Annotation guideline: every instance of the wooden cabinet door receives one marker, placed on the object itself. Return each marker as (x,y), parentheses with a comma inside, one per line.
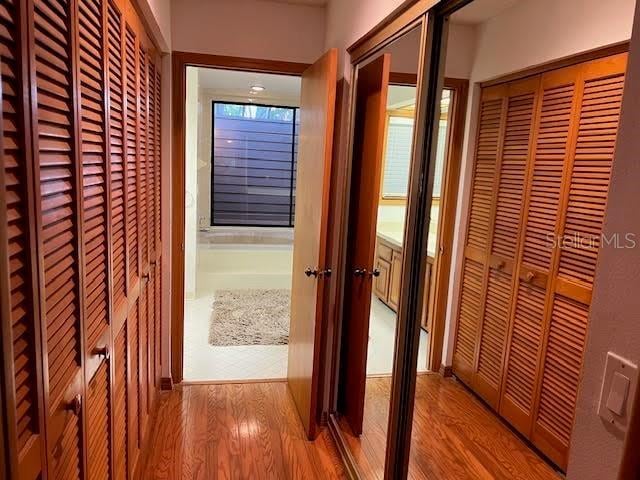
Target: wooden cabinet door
(317,108)
(395,280)
(381,282)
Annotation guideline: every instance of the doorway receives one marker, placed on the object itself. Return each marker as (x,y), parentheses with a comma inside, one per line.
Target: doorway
(242,131)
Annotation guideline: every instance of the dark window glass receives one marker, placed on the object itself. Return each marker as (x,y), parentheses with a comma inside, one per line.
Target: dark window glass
(253,164)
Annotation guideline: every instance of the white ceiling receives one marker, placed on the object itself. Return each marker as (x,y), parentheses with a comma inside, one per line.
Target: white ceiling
(228,83)
(480,11)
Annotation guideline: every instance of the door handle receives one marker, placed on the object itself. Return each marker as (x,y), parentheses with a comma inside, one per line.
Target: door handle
(317,273)
(311,272)
(375,273)
(360,272)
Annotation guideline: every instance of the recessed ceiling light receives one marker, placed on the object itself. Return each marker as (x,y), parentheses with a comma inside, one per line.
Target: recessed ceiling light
(257,88)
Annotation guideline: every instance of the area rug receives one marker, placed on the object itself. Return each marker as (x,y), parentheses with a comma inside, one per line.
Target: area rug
(250,317)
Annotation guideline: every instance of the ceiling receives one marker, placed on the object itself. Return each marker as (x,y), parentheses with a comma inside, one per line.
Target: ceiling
(480,11)
(282,89)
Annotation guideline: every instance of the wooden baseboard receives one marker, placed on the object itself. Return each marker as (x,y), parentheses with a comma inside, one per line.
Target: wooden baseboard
(446,371)
(343,449)
(232,382)
(166,383)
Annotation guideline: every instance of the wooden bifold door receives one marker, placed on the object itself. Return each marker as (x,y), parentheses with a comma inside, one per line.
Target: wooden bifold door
(544,150)
(79,237)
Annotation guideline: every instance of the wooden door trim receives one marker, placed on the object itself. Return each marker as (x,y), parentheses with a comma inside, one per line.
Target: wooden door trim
(180,61)
(394,25)
(448,205)
(573,59)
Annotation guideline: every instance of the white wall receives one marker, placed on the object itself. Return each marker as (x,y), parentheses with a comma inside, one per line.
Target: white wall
(529,33)
(191,182)
(614,321)
(249,28)
(348,20)
(157,15)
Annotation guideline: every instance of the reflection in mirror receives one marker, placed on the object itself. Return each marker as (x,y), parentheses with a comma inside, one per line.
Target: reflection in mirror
(542,124)
(385,107)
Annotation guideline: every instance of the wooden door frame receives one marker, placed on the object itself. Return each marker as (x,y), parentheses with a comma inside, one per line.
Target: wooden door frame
(180,62)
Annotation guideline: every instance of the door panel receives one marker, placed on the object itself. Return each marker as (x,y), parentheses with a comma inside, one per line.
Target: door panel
(317,108)
(19,317)
(523,314)
(368,150)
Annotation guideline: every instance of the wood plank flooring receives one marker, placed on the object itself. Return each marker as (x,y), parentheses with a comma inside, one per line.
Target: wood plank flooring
(455,436)
(236,431)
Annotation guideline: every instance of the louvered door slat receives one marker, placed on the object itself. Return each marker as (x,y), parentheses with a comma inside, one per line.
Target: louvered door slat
(120,405)
(477,237)
(117,155)
(158,228)
(590,177)
(143,223)
(552,136)
(505,237)
(133,393)
(468,317)
(143,381)
(131,149)
(18,311)
(94,172)
(484,173)
(575,257)
(98,425)
(58,170)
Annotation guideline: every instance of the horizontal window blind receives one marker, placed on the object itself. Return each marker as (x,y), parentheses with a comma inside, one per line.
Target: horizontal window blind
(254,150)
(397,156)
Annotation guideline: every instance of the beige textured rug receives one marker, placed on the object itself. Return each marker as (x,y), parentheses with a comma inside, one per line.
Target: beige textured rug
(250,317)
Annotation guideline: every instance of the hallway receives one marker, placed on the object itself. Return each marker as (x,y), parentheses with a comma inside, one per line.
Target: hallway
(455,436)
(234,431)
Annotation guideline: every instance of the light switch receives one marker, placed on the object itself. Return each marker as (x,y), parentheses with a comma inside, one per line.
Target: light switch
(618,388)
(618,393)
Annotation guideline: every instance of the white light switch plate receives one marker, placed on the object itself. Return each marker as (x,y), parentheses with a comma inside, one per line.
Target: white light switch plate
(616,393)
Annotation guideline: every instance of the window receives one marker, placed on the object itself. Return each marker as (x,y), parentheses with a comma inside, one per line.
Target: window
(253,158)
(398,151)
(397,156)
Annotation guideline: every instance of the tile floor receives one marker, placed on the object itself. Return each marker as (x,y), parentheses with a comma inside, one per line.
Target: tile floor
(203,362)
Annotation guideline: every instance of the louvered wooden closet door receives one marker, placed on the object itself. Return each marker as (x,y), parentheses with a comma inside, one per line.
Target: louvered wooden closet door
(504,234)
(58,201)
(549,156)
(539,191)
(120,406)
(157,228)
(19,311)
(585,194)
(476,252)
(97,234)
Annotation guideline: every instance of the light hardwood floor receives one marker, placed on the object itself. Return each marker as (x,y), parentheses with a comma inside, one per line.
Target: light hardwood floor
(236,431)
(455,436)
